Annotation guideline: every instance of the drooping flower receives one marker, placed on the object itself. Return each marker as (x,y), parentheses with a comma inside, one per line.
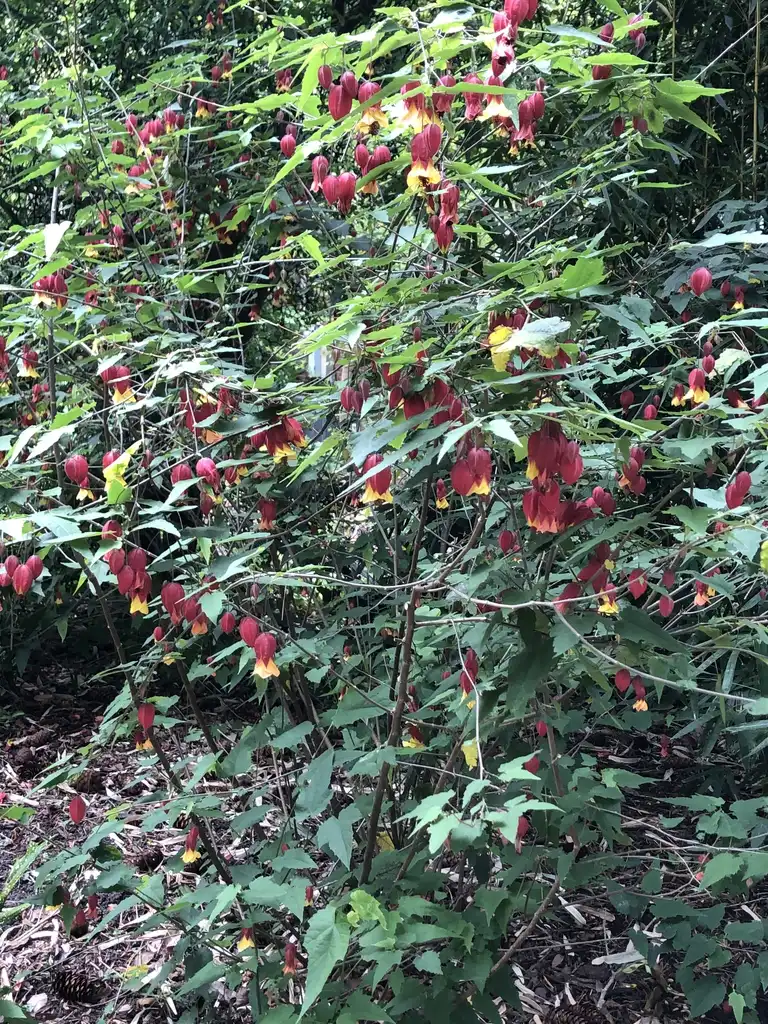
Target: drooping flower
(76,468)
(377,486)
(268,511)
(373,118)
(468,677)
(246,940)
(638,583)
(291,962)
(607,601)
(416,113)
(172,599)
(441,495)
(700,280)
(265,647)
(704,593)
(737,490)
(319,173)
(697,386)
(495,109)
(424,147)
(473,101)
(508,541)
(146,716)
(191,852)
(77,809)
(472,474)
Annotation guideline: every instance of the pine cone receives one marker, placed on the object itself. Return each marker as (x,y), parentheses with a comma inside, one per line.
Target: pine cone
(75,986)
(90,781)
(149,859)
(584,1013)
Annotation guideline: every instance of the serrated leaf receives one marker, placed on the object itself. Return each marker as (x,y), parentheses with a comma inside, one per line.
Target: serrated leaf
(207,974)
(722,865)
(326,943)
(336,834)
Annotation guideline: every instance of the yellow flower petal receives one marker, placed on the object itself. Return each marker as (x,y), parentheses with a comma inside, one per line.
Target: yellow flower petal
(384,842)
(470,752)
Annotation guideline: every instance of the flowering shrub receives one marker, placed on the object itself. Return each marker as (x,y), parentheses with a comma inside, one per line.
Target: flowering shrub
(327,375)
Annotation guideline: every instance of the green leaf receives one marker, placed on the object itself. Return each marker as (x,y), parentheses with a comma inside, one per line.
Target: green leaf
(694,519)
(315,795)
(747,931)
(703,994)
(207,974)
(583,273)
(19,867)
(428,961)
(722,865)
(293,738)
(685,90)
(326,944)
(502,429)
(678,110)
(212,604)
(336,834)
(634,624)
(11,1011)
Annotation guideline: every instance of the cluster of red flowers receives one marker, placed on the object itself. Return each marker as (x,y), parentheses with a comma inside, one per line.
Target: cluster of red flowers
(133,580)
(551,454)
(20,575)
(51,291)
(623,680)
(352,399)
(443,216)
(630,476)
(281,440)
(472,473)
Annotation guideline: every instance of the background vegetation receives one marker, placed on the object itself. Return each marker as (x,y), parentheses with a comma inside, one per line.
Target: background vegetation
(384,487)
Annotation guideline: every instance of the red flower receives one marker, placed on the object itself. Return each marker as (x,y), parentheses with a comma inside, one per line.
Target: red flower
(206,469)
(146,716)
(737,490)
(666,606)
(76,469)
(291,962)
(523,828)
(77,809)
(468,676)
(377,485)
(35,565)
(622,680)
(569,594)
(265,647)
(319,173)
(473,101)
(508,542)
(172,598)
(638,584)
(22,580)
(700,280)
(472,475)
(268,510)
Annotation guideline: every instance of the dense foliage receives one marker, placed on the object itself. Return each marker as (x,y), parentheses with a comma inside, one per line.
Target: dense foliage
(399,371)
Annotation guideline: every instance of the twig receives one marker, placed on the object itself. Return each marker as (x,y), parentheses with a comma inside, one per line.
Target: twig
(394,733)
(542,909)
